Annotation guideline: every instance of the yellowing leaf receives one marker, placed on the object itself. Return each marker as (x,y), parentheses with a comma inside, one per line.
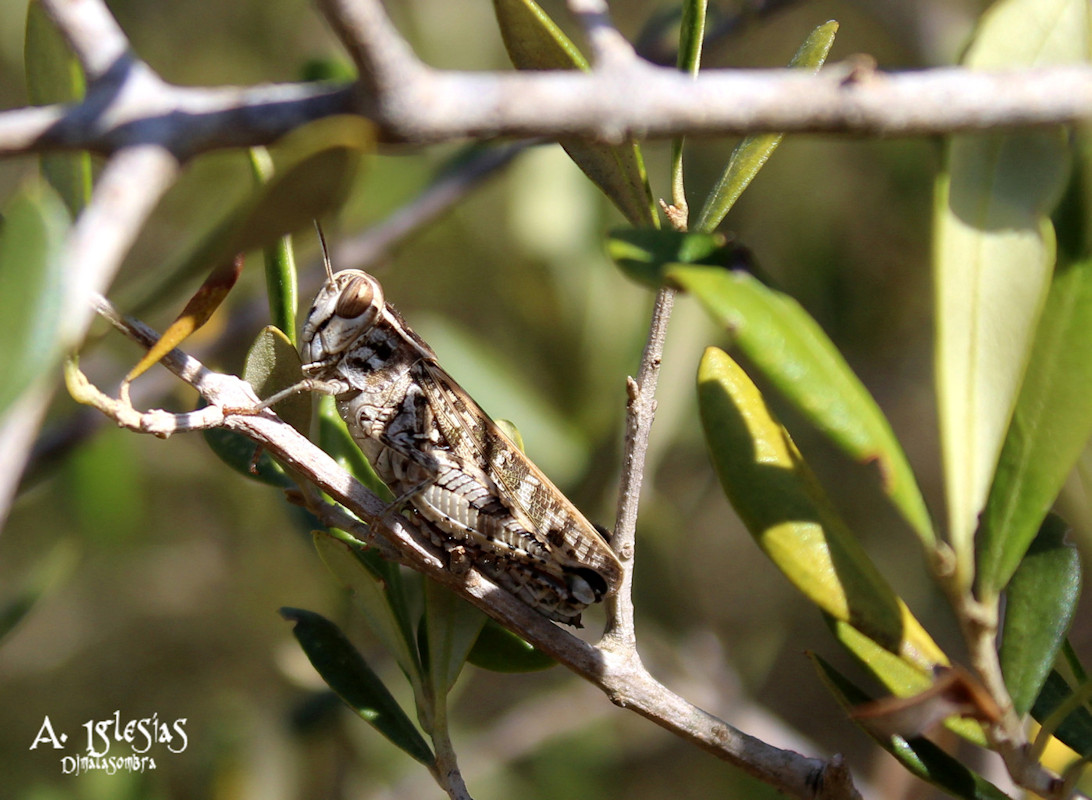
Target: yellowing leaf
(790,517)
(994,252)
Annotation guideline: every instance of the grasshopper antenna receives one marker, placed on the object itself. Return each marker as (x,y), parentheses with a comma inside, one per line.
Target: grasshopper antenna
(325,251)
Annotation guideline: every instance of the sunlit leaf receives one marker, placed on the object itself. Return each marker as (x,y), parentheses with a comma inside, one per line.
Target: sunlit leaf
(754,151)
(790,517)
(783,341)
(993,254)
(645,255)
(345,671)
(1041,601)
(900,676)
(535,42)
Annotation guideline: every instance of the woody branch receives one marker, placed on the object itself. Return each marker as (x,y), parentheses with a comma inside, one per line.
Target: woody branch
(411,102)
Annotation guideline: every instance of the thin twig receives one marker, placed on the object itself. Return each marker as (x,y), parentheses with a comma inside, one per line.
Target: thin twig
(640,411)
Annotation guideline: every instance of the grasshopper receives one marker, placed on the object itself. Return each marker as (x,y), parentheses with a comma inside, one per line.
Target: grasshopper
(480,498)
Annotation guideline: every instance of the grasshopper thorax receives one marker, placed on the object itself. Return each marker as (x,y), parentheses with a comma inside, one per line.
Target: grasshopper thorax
(346,307)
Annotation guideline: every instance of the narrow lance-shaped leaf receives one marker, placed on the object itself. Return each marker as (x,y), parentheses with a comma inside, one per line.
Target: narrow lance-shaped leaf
(317,165)
(371,591)
(345,671)
(1041,601)
(993,254)
(691,38)
(1050,427)
(797,357)
(535,42)
(452,627)
(197,312)
(901,677)
(918,755)
(791,519)
(754,151)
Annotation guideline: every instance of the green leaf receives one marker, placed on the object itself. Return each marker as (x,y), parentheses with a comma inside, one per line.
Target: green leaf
(691,38)
(499,650)
(375,591)
(345,671)
(54,76)
(32,329)
(755,150)
(918,755)
(1049,429)
(644,255)
(316,167)
(691,35)
(238,452)
(452,626)
(1042,599)
(791,519)
(783,341)
(272,364)
(900,676)
(993,254)
(535,42)
(1075,728)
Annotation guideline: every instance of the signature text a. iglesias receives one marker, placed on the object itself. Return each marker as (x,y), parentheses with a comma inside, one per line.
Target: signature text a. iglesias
(137,736)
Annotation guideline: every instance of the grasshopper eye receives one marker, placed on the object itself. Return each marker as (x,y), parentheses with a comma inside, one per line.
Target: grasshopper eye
(357,296)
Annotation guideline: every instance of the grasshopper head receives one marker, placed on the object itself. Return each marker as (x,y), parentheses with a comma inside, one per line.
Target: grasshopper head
(347,306)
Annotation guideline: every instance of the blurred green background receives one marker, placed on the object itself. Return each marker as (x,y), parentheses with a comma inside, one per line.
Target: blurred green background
(178,565)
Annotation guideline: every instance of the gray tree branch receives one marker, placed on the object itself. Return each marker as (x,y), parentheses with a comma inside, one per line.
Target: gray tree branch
(626,98)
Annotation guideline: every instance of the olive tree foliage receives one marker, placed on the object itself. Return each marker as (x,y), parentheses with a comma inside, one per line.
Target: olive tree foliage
(1012,280)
